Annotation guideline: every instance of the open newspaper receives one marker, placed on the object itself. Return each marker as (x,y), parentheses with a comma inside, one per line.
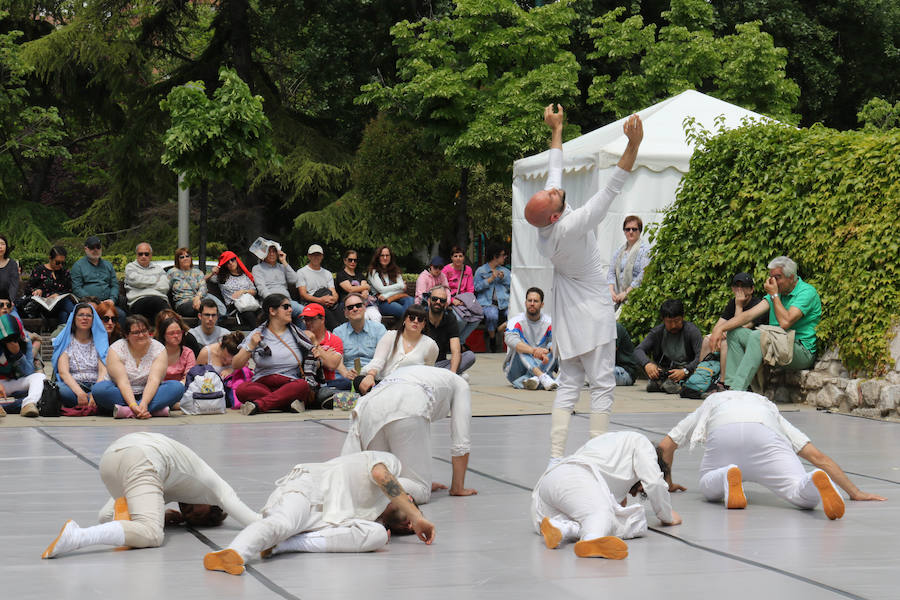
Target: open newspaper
(50,303)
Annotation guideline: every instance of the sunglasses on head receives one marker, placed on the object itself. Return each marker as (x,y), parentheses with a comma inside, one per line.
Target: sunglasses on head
(107,318)
(419,318)
(353,306)
(143,254)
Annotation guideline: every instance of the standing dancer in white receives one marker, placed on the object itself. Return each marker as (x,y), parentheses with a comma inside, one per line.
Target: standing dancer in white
(335,506)
(582,498)
(584,324)
(143,471)
(396,417)
(747,439)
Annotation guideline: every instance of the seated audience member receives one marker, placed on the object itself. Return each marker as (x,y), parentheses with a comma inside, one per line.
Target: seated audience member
(287,374)
(9,270)
(529,362)
(234,281)
(359,336)
(460,281)
(273,276)
(17,372)
(442,327)
(33,351)
(792,305)
(349,281)
(626,269)
(180,358)
(316,286)
(110,319)
(626,370)
(492,291)
(188,285)
(387,284)
(79,354)
(742,288)
(146,284)
(430,277)
(137,368)
(400,348)
(329,348)
(674,346)
(219,355)
(51,280)
(93,277)
(207,332)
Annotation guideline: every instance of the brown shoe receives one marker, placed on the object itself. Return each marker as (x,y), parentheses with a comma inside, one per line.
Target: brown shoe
(2,412)
(224,560)
(552,534)
(248,408)
(605,547)
(736,497)
(30,410)
(832,502)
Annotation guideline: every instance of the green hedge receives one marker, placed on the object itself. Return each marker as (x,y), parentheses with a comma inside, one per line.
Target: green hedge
(830,200)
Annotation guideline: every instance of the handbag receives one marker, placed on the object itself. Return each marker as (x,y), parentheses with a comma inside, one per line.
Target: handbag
(246,303)
(49,404)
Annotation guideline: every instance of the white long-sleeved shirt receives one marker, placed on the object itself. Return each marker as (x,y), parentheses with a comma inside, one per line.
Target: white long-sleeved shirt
(145,281)
(733,406)
(582,309)
(419,391)
(343,486)
(186,477)
(387,360)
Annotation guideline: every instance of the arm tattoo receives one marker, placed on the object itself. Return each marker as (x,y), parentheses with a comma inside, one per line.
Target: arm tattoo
(392,487)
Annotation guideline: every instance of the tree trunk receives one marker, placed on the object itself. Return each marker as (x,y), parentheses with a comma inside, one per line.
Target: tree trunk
(240,40)
(204,200)
(462,210)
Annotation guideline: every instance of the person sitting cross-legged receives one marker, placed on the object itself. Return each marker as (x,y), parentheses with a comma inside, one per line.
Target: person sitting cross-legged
(529,362)
(79,354)
(674,346)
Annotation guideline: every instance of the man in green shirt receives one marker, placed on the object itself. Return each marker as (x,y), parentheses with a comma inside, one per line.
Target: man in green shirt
(93,276)
(792,304)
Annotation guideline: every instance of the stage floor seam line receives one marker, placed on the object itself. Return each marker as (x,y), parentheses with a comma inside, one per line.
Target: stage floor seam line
(271,585)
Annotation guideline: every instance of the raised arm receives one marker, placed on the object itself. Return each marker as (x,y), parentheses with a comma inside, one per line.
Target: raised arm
(400,500)
(634,131)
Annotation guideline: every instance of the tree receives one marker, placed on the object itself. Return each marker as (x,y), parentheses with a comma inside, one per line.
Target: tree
(477,79)
(214,139)
(744,68)
(879,114)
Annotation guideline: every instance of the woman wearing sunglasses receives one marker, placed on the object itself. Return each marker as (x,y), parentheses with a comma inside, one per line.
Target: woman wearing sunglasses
(137,366)
(109,318)
(400,348)
(626,270)
(286,374)
(188,285)
(348,281)
(79,354)
(49,281)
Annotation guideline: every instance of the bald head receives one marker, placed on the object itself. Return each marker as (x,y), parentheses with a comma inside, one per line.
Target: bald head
(545,207)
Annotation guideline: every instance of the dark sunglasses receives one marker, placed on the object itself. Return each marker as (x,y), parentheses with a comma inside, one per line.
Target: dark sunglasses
(94,247)
(59,263)
(630,229)
(353,306)
(419,318)
(286,306)
(438,300)
(351,259)
(184,256)
(107,318)
(143,254)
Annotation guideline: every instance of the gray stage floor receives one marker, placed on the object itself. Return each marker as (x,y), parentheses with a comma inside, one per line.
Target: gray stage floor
(485,547)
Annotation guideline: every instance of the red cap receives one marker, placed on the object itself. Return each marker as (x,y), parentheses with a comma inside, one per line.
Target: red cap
(313,310)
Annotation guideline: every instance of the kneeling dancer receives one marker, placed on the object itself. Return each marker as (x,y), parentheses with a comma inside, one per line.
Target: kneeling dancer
(328,507)
(143,471)
(396,417)
(582,498)
(747,439)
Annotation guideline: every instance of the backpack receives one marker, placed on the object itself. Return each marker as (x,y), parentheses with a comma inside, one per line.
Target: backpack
(204,392)
(703,378)
(233,382)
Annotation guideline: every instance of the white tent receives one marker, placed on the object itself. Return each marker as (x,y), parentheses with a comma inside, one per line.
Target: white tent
(663,159)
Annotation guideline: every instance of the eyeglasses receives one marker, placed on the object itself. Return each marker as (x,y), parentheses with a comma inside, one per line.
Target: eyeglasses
(84,316)
(287,306)
(419,318)
(353,306)
(438,300)
(630,229)
(94,247)
(138,332)
(351,259)
(184,256)
(107,318)
(143,254)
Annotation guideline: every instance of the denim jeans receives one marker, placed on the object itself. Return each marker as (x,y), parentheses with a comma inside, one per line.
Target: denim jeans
(107,395)
(522,367)
(67,395)
(396,308)
(623,377)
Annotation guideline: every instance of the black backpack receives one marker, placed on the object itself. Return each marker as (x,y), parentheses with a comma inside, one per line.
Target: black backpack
(50,405)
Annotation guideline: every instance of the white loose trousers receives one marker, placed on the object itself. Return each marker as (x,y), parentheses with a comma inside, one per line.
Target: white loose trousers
(597,368)
(763,456)
(32,384)
(409,439)
(130,473)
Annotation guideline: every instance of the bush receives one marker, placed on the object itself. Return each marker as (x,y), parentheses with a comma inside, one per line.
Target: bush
(827,199)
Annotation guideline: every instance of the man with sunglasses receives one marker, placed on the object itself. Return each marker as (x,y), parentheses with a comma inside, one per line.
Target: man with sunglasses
(146,284)
(442,327)
(584,323)
(92,276)
(359,336)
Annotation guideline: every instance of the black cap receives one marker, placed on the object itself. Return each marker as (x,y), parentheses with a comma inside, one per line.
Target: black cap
(436,261)
(742,279)
(92,241)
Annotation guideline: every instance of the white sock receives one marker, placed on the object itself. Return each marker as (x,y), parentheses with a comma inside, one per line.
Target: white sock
(559,431)
(569,529)
(599,423)
(74,537)
(302,542)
